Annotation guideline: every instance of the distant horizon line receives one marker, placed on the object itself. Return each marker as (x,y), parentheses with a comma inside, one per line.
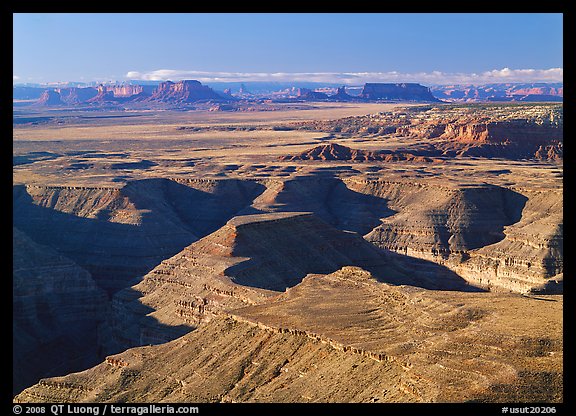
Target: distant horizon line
(495,76)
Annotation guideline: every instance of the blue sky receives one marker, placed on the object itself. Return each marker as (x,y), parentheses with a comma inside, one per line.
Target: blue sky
(344,47)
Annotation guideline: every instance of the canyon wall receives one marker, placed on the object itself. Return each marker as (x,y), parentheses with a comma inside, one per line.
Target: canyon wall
(342,337)
(56,309)
(119,234)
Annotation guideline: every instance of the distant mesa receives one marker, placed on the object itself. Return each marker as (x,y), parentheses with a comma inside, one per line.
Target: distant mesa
(182,92)
(103,95)
(186,91)
(309,95)
(334,151)
(50,97)
(528,92)
(401,92)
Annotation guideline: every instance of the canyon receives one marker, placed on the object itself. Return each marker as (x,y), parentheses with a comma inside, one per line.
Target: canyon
(331,252)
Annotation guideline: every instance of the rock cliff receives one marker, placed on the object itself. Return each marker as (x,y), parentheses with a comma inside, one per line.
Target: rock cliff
(309,95)
(343,337)
(500,92)
(74,95)
(48,98)
(491,236)
(56,309)
(401,91)
(527,131)
(239,264)
(187,91)
(119,234)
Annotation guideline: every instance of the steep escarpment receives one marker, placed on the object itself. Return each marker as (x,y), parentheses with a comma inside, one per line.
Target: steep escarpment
(492,236)
(327,197)
(48,98)
(400,91)
(531,255)
(527,131)
(228,361)
(119,234)
(56,309)
(186,91)
(541,92)
(239,264)
(75,95)
(245,262)
(342,337)
(441,222)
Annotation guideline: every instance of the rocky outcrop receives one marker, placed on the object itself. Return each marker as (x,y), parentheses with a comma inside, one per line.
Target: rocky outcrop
(334,151)
(432,346)
(342,95)
(494,131)
(119,234)
(494,237)
(56,309)
(187,91)
(530,257)
(49,98)
(248,260)
(104,95)
(511,131)
(309,95)
(236,265)
(73,95)
(397,92)
(125,90)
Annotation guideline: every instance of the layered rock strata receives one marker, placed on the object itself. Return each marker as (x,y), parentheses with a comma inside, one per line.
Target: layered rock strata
(119,234)
(334,151)
(248,260)
(186,91)
(56,308)
(343,337)
(494,131)
(496,237)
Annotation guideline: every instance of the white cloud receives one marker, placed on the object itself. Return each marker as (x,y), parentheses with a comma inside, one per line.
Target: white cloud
(351,78)
(15,78)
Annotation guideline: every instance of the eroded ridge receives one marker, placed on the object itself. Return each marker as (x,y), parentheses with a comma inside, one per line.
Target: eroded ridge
(250,259)
(344,337)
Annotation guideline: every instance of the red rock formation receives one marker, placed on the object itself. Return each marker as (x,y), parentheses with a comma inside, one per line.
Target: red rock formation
(126,90)
(520,131)
(500,92)
(50,97)
(75,95)
(332,151)
(104,95)
(187,91)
